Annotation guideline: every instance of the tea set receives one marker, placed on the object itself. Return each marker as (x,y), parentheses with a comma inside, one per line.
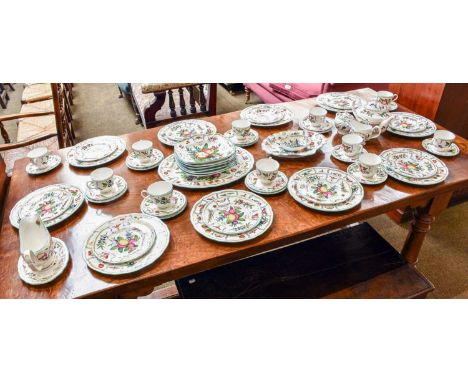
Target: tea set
(352,145)
(266,179)
(317,121)
(442,144)
(368,169)
(105,186)
(162,201)
(41,161)
(143,156)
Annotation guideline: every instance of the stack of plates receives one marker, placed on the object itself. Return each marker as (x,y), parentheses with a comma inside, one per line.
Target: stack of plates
(414,166)
(176,132)
(126,244)
(325,189)
(338,102)
(53,204)
(293,143)
(231,216)
(96,151)
(267,115)
(411,125)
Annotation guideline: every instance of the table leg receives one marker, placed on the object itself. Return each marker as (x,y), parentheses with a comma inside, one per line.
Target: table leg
(423,219)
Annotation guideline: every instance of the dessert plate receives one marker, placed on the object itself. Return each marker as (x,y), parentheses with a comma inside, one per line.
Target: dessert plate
(380,177)
(204,149)
(411,125)
(325,187)
(176,132)
(148,206)
(429,146)
(134,163)
(264,114)
(253,183)
(411,164)
(275,143)
(120,148)
(287,116)
(327,126)
(53,161)
(338,101)
(94,149)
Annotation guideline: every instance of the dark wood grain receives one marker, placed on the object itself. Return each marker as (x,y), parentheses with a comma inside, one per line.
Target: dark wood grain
(188,252)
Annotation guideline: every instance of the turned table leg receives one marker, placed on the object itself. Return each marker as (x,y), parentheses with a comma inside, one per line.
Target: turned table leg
(247,94)
(424,217)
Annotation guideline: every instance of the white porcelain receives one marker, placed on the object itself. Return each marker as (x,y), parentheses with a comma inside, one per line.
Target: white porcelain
(443,140)
(267,169)
(94,149)
(161,193)
(365,130)
(369,164)
(274,144)
(249,140)
(35,243)
(325,188)
(411,125)
(342,123)
(133,162)
(324,127)
(53,161)
(178,202)
(288,115)
(317,115)
(264,114)
(254,183)
(143,150)
(97,143)
(39,157)
(241,128)
(116,191)
(339,153)
(429,145)
(385,98)
(102,179)
(201,150)
(379,177)
(176,132)
(372,117)
(338,101)
(352,144)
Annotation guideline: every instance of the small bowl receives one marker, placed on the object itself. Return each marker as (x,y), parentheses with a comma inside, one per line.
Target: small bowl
(294,144)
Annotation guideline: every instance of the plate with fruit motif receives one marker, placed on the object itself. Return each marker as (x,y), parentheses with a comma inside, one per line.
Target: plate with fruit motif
(176,132)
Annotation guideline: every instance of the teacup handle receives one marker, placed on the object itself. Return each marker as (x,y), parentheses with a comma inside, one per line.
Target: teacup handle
(376,131)
(144,194)
(28,258)
(395,97)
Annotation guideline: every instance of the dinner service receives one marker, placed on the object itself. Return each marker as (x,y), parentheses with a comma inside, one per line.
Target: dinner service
(411,125)
(102,180)
(268,112)
(372,117)
(139,238)
(317,115)
(250,139)
(39,157)
(342,122)
(53,203)
(96,151)
(161,193)
(379,177)
(116,191)
(176,132)
(338,101)
(178,203)
(275,143)
(53,161)
(133,162)
(267,169)
(339,153)
(414,166)
(429,145)
(325,189)
(231,216)
(323,127)
(255,184)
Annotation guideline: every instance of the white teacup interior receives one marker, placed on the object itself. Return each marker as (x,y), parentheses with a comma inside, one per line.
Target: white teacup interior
(142,145)
(444,135)
(370,159)
(267,165)
(385,94)
(37,152)
(101,174)
(240,124)
(352,139)
(158,189)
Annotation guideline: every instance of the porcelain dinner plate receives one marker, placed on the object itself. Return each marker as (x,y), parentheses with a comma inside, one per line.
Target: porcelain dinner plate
(158,248)
(119,188)
(50,202)
(411,125)
(204,149)
(388,157)
(372,117)
(325,188)
(305,124)
(169,170)
(94,149)
(297,188)
(134,163)
(253,183)
(275,143)
(53,162)
(338,101)
(411,164)
(264,114)
(179,201)
(231,213)
(429,146)
(120,148)
(287,116)
(176,132)
(266,218)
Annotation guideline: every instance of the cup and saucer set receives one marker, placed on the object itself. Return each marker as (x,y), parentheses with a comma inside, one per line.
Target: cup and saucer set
(368,169)
(350,149)
(377,110)
(442,144)
(143,156)
(42,258)
(162,201)
(317,121)
(266,179)
(241,134)
(41,161)
(104,186)
(384,101)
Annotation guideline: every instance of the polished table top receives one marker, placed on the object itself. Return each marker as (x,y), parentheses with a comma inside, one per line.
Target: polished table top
(188,252)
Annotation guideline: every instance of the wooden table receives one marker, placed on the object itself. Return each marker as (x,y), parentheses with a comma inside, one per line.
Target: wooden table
(188,252)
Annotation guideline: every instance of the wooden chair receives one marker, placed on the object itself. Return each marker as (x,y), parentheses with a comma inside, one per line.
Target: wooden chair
(4,183)
(36,92)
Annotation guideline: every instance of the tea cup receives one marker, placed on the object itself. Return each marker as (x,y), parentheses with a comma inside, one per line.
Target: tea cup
(352,144)
(369,164)
(385,98)
(365,130)
(143,150)
(102,179)
(342,123)
(241,128)
(443,139)
(161,193)
(39,157)
(317,115)
(267,170)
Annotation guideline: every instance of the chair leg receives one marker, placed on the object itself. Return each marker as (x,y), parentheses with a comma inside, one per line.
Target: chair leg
(247,94)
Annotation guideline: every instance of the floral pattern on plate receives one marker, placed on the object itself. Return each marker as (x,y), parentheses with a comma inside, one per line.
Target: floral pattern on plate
(231,213)
(380,177)
(118,189)
(158,248)
(297,185)
(38,201)
(266,219)
(274,144)
(250,140)
(253,183)
(372,117)
(325,187)
(287,116)
(429,146)
(204,149)
(54,270)
(406,125)
(120,144)
(94,149)
(338,101)
(339,153)
(169,171)
(306,124)
(134,163)
(440,176)
(264,114)
(148,206)
(53,162)
(411,164)
(176,132)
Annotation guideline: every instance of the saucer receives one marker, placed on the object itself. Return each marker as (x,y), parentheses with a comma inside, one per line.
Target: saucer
(148,206)
(54,161)
(253,183)
(454,149)
(250,140)
(373,105)
(133,163)
(118,189)
(325,127)
(51,272)
(339,154)
(380,177)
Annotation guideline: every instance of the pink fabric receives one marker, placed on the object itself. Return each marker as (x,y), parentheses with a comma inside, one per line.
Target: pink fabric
(297,91)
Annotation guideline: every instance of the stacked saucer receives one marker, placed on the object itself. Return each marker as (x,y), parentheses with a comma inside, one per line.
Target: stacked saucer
(414,166)
(231,216)
(293,143)
(338,101)
(325,189)
(411,125)
(267,115)
(176,132)
(126,244)
(96,151)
